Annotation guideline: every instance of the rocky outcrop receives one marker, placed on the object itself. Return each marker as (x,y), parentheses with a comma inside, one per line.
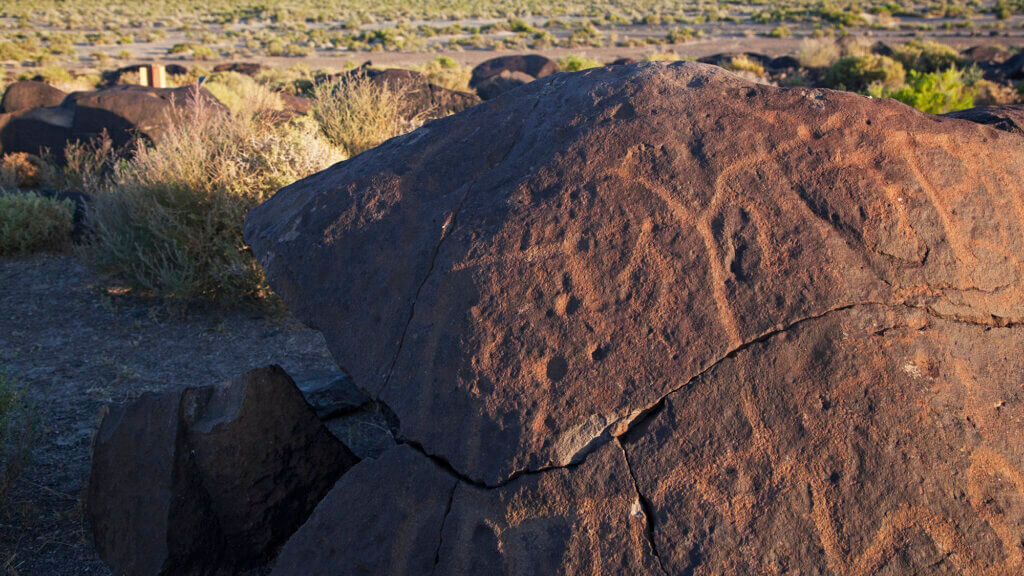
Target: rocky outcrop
(788,316)
(29,94)
(122,112)
(208,479)
(126,111)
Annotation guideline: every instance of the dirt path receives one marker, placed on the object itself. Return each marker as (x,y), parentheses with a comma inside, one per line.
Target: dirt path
(77,349)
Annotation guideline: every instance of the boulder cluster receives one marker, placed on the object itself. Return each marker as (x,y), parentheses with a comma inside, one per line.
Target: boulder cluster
(36,118)
(665,321)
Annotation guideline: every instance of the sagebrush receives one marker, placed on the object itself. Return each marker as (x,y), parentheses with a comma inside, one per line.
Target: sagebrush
(168,221)
(31,223)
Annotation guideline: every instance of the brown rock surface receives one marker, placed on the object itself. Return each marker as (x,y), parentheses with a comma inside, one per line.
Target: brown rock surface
(533,65)
(126,110)
(210,478)
(383,517)
(29,94)
(521,297)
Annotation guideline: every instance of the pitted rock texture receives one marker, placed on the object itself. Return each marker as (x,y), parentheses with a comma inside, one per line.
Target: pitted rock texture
(873,440)
(515,295)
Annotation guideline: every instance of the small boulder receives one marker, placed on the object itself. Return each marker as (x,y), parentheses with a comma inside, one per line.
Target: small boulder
(499,84)
(533,65)
(207,479)
(247,68)
(29,94)
(1014,67)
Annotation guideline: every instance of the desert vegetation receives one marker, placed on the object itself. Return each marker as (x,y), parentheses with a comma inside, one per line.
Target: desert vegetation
(150,222)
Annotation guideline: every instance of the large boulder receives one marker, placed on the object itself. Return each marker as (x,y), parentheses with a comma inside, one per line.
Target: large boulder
(533,65)
(127,111)
(38,131)
(29,94)
(208,479)
(794,313)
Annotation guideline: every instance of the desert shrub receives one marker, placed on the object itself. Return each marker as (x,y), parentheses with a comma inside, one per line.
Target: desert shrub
(818,52)
(242,94)
(168,222)
(575,63)
(32,223)
(857,73)
(356,114)
(933,92)
(447,73)
(926,56)
(20,170)
(743,64)
(15,434)
(781,31)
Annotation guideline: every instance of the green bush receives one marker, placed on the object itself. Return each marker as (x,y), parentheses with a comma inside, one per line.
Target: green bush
(574,63)
(31,223)
(857,73)
(168,222)
(926,56)
(933,92)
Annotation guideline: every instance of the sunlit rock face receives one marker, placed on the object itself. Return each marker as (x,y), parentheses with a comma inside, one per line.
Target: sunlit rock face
(656,317)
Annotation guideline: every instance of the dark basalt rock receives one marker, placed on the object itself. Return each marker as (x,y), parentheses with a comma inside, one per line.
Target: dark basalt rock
(788,316)
(499,84)
(209,479)
(28,94)
(533,65)
(247,68)
(1009,117)
(126,111)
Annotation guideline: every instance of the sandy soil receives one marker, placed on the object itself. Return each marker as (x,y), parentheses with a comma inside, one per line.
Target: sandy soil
(75,349)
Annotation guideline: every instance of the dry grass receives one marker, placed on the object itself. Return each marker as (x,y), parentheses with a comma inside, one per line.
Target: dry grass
(242,94)
(447,73)
(818,52)
(168,221)
(357,114)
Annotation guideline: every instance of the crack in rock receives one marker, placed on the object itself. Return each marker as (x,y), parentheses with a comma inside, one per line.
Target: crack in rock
(645,509)
(446,231)
(444,520)
(626,427)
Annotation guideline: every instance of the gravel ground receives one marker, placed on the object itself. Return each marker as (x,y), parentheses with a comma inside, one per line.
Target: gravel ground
(75,348)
